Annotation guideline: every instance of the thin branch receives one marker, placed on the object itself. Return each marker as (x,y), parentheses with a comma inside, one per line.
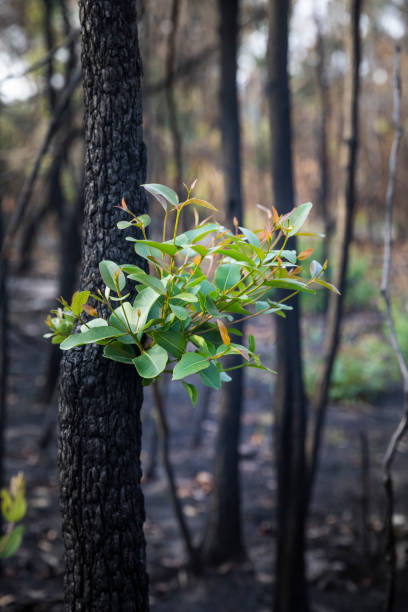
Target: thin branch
(402,427)
(192,63)
(191,552)
(28,187)
(44,61)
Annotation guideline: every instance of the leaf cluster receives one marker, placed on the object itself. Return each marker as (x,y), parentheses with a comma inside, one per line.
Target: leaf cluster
(202,282)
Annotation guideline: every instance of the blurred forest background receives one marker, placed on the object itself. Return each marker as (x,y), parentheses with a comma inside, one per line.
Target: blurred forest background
(41,194)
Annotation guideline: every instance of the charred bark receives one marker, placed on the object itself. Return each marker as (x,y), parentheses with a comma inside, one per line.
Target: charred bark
(289,401)
(100,431)
(345,222)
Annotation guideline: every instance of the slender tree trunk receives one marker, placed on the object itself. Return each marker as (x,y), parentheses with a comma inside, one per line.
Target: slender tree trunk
(171,97)
(223,538)
(323,156)
(100,431)
(289,402)
(345,220)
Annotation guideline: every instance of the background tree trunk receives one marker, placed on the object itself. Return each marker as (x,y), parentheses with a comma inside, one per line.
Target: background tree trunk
(223,538)
(100,431)
(289,401)
(344,231)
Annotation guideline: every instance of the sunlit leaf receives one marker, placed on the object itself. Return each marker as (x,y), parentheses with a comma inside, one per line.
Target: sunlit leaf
(79,299)
(315,268)
(123,224)
(162,247)
(92,335)
(151,363)
(199,202)
(163,194)
(298,217)
(329,286)
(112,275)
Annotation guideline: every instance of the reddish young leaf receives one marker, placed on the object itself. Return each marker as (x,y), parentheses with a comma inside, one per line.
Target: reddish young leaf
(223,332)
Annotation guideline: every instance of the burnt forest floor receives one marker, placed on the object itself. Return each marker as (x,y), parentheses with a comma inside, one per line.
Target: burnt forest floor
(345,567)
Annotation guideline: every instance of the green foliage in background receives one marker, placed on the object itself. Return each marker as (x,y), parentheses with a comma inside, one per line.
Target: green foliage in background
(202,282)
(13,509)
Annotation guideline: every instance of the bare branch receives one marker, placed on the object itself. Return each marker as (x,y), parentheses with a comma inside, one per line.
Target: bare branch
(28,187)
(403,424)
(44,61)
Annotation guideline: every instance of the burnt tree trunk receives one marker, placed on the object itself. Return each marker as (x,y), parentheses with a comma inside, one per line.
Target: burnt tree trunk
(100,431)
(289,401)
(344,230)
(223,537)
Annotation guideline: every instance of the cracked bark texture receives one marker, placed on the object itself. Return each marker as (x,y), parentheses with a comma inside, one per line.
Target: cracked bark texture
(100,430)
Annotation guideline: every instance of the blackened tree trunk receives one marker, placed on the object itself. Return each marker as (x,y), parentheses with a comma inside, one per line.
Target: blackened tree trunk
(345,222)
(100,431)
(289,401)
(223,538)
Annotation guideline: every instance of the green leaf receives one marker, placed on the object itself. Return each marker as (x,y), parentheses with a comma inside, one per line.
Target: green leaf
(93,323)
(123,224)
(131,269)
(13,508)
(78,300)
(298,217)
(174,342)
(144,220)
(251,343)
(92,335)
(144,301)
(150,281)
(211,377)
(289,283)
(290,256)
(145,251)
(315,268)
(190,363)
(111,272)
(197,233)
(235,254)
(125,315)
(151,363)
(328,286)
(119,352)
(227,275)
(201,203)
(192,392)
(197,248)
(180,312)
(185,297)
(163,194)
(251,237)
(164,247)
(11,542)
